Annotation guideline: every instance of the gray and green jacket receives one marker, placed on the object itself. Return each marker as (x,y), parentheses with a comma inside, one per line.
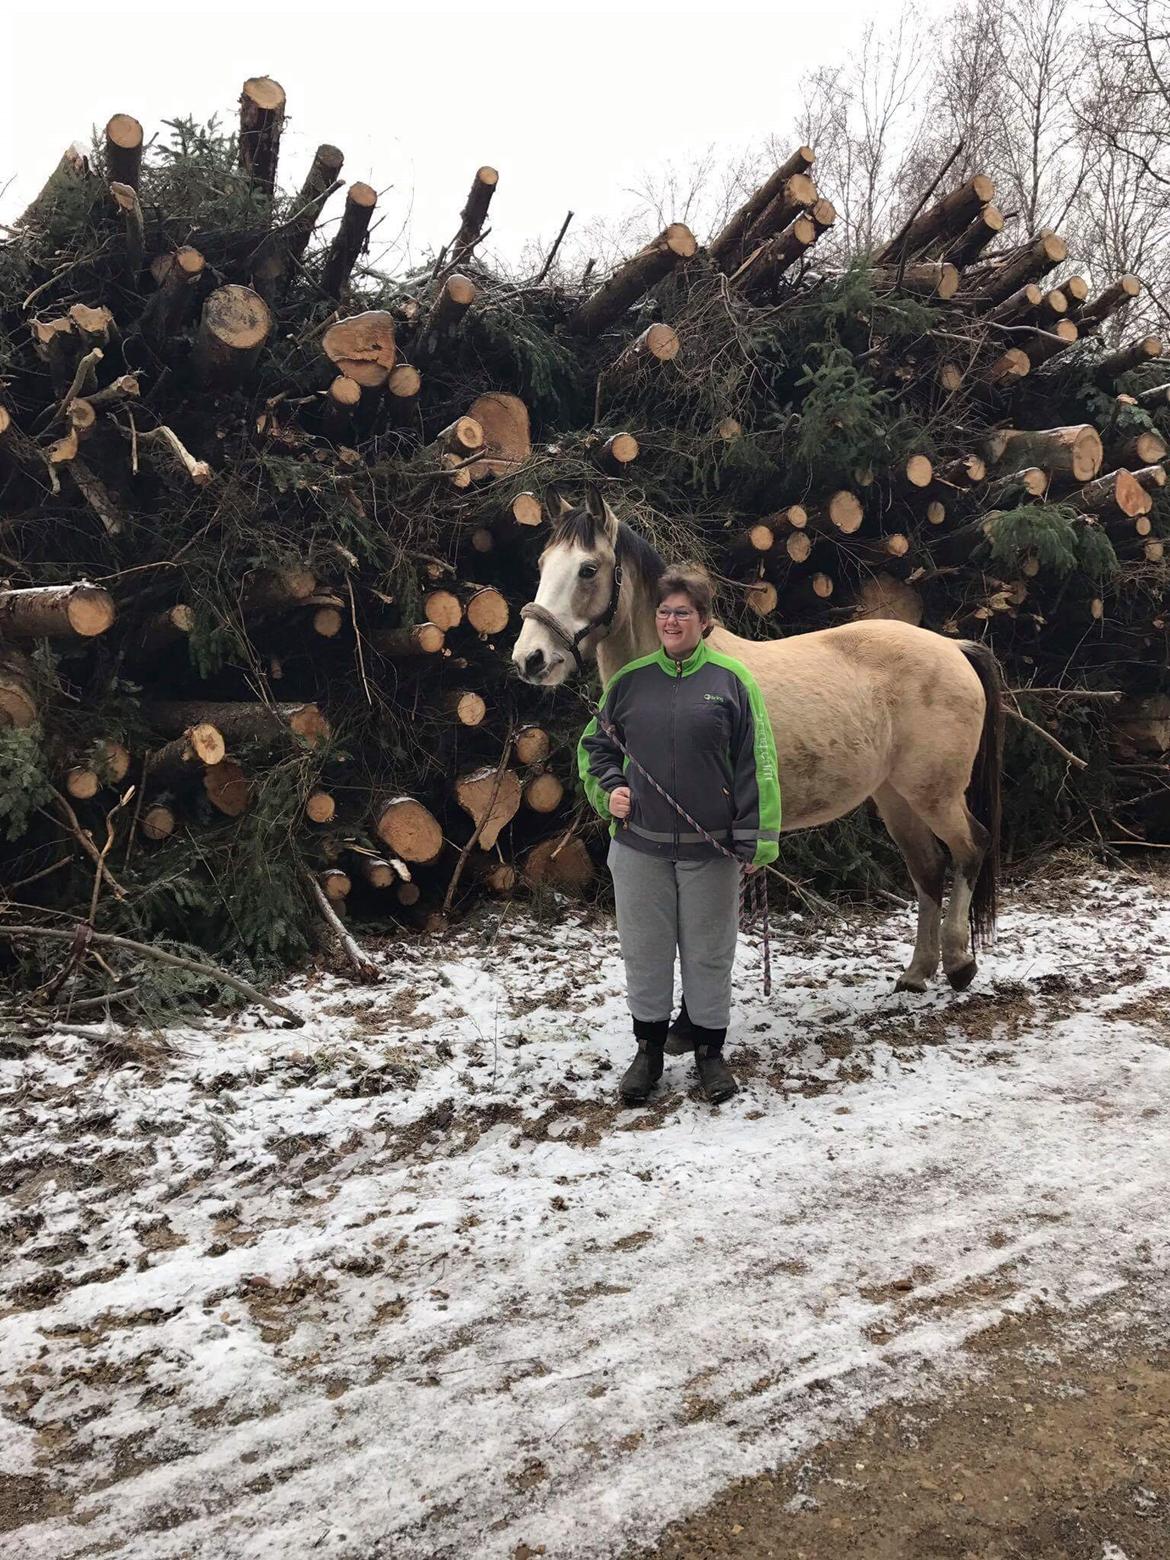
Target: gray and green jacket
(699,726)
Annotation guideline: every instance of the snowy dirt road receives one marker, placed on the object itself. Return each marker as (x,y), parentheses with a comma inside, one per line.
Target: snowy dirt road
(408,1282)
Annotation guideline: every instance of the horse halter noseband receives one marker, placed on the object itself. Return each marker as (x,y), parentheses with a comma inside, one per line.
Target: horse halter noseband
(572,642)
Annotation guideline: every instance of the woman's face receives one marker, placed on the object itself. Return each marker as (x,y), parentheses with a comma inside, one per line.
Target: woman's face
(679,626)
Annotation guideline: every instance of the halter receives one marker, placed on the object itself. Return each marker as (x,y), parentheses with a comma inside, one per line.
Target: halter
(572,642)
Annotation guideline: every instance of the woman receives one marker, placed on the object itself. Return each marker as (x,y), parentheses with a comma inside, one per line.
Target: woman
(695,720)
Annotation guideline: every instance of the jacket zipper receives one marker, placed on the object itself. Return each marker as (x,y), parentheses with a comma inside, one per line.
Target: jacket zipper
(673,747)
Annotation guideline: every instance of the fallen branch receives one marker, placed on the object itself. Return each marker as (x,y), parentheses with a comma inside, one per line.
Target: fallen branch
(478,830)
(1072,758)
(179,961)
(364,968)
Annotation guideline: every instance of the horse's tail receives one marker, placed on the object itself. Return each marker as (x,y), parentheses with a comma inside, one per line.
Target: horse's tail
(985,791)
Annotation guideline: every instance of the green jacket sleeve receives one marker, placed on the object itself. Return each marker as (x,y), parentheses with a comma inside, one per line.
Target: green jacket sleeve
(755,828)
(600,762)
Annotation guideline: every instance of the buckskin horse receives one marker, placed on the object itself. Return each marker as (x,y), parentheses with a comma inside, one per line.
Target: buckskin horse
(870,709)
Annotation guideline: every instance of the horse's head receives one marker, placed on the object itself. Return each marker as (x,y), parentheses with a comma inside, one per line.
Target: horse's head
(578,597)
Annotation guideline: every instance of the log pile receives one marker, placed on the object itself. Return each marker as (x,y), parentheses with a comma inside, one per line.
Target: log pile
(268,517)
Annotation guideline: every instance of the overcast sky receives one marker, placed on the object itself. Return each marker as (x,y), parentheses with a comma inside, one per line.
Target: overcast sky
(572,107)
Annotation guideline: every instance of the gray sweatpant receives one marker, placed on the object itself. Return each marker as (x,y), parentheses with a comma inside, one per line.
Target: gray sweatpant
(689,905)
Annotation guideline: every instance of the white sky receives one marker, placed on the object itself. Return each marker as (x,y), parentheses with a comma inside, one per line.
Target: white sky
(572,106)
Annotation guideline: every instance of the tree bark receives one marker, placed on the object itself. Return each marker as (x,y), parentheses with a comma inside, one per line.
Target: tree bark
(259,723)
(982,230)
(227,788)
(797,196)
(125,197)
(633,278)
(727,246)
(320,182)
(1117,493)
(936,279)
(167,310)
(946,219)
(1133,355)
(348,241)
(187,756)
(18,703)
(451,303)
(474,214)
(56,612)
(123,150)
(1120,295)
(236,324)
(1075,450)
(262,104)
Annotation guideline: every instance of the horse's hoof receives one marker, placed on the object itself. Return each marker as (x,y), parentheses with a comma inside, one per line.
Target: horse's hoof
(961,978)
(909,983)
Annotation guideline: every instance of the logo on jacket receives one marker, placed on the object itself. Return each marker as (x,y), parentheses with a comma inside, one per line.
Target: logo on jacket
(714,698)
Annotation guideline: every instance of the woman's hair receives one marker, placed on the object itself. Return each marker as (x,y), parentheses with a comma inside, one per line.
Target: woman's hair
(691,581)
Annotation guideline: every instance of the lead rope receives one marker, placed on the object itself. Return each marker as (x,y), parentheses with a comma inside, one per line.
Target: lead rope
(753,893)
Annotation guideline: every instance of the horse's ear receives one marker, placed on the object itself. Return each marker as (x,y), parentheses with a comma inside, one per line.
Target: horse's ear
(556,502)
(603,517)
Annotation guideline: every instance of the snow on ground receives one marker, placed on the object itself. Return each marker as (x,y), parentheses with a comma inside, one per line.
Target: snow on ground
(409,1282)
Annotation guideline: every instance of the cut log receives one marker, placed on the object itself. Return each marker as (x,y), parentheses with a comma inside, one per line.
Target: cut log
(983,228)
(474,213)
(335,884)
(18,703)
(236,324)
(320,807)
(81,783)
(824,215)
(532,745)
(227,788)
(950,377)
(491,799)
(916,473)
(362,347)
(402,388)
(158,822)
(1055,338)
(341,400)
(319,184)
(1152,477)
(124,388)
(761,597)
(187,756)
(841,512)
(443,608)
(616,453)
(561,862)
(936,512)
(451,303)
(798,546)
(963,471)
(1028,482)
(633,278)
(401,644)
(936,279)
(728,244)
(544,793)
(123,150)
(463,437)
(1117,493)
(380,873)
(797,196)
(1075,450)
(998,281)
(766,264)
(1154,399)
(1122,293)
(465,706)
(525,511)
(498,877)
(657,344)
(888,599)
(507,436)
(408,894)
(348,241)
(125,197)
(167,310)
(1008,367)
(941,222)
(409,829)
(56,343)
(1020,305)
(240,722)
(269,589)
(880,549)
(487,611)
(756,539)
(1143,449)
(1076,295)
(95,327)
(261,121)
(56,612)
(1133,355)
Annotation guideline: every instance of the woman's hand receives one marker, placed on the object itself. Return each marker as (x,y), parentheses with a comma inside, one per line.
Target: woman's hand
(619,801)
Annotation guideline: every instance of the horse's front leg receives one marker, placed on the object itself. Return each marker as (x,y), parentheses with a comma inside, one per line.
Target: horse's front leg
(927,866)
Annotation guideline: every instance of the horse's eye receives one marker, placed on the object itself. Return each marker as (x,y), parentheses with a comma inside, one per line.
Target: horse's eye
(587,571)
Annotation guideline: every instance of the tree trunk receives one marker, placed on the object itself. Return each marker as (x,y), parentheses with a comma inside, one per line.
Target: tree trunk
(362,347)
(166,312)
(764,267)
(1143,449)
(982,230)
(1154,399)
(402,389)
(319,184)
(443,608)
(1133,355)
(158,822)
(1035,260)
(1028,482)
(402,644)
(474,214)
(633,278)
(1075,450)
(507,437)
(18,704)
(123,150)
(452,302)
(1118,493)
(261,120)
(617,452)
(227,788)
(134,228)
(360,200)
(490,796)
(1008,367)
(544,793)
(658,343)
(947,218)
(487,611)
(727,246)
(761,597)
(1055,339)
(841,512)
(935,279)
(963,471)
(798,195)
(258,723)
(1119,296)
(320,807)
(271,589)
(409,830)
(336,885)
(236,324)
(56,612)
(187,756)
(341,401)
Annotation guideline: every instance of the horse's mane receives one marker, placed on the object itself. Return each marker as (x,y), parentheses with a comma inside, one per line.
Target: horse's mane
(636,553)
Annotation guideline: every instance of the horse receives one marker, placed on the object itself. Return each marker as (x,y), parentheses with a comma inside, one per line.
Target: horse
(871,709)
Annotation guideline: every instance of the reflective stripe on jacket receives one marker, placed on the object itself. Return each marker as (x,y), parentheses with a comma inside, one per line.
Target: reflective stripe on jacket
(699,726)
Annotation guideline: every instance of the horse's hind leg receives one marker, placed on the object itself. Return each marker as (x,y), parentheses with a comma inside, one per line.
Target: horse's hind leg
(927,864)
(967,840)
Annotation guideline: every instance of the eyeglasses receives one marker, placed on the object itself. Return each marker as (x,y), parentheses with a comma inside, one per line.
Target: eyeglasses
(681,613)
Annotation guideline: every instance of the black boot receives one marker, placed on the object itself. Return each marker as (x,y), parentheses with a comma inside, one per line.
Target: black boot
(646,1068)
(714,1073)
(680,1037)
